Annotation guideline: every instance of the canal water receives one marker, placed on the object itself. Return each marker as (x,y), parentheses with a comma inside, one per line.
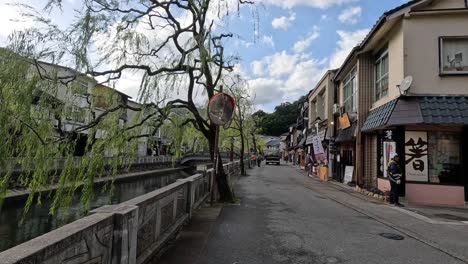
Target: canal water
(39,221)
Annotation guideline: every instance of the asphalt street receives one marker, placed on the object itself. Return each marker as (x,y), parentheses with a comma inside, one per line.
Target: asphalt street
(286,217)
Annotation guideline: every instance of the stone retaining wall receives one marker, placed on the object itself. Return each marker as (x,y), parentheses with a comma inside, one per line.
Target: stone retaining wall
(127,233)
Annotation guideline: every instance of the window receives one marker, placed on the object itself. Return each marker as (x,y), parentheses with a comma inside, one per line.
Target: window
(76,114)
(350,92)
(80,87)
(444,155)
(453,55)
(321,111)
(381,76)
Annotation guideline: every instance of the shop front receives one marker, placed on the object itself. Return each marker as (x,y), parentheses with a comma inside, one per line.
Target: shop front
(430,134)
(345,158)
(317,144)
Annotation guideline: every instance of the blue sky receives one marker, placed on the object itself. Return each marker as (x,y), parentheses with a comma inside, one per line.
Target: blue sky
(286,53)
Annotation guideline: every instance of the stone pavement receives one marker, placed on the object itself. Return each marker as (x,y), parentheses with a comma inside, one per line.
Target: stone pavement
(286,217)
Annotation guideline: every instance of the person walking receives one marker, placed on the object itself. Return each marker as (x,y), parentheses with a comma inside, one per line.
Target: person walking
(309,164)
(394,175)
(253,160)
(259,160)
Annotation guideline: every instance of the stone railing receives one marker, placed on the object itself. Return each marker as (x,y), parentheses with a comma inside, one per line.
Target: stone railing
(14,165)
(130,232)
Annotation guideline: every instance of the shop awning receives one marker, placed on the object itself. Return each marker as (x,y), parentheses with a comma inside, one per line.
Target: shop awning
(451,110)
(345,135)
(429,110)
(379,116)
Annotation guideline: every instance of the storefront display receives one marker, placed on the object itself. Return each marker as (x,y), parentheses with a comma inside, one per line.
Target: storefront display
(444,158)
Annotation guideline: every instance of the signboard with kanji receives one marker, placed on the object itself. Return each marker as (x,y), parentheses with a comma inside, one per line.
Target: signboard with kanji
(416,156)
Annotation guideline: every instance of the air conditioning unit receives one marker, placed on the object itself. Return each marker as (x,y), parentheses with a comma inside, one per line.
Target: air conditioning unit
(336,109)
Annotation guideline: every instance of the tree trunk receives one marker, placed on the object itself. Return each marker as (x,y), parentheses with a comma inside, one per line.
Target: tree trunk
(225,192)
(193,144)
(248,150)
(224,189)
(242,165)
(254,141)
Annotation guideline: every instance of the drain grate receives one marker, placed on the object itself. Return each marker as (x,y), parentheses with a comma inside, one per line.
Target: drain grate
(451,217)
(391,236)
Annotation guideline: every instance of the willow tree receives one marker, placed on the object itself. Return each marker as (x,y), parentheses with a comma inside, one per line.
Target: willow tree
(38,151)
(173,46)
(238,87)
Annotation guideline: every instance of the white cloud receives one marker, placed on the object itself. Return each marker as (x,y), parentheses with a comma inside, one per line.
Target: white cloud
(280,64)
(301,45)
(265,90)
(258,67)
(10,20)
(304,78)
(285,76)
(283,22)
(323,4)
(350,15)
(324,17)
(268,40)
(347,41)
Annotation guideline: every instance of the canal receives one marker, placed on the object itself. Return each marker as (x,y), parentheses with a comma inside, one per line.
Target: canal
(39,221)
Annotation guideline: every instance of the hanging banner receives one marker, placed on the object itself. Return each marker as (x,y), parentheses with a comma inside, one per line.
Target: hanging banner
(319,152)
(318,147)
(389,147)
(416,156)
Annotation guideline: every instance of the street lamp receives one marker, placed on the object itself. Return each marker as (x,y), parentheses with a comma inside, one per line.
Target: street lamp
(232,149)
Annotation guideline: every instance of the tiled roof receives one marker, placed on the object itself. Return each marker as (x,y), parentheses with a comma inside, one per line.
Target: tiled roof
(379,116)
(444,109)
(431,110)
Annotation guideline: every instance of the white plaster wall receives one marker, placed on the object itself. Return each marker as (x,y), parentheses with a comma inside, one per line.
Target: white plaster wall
(421,37)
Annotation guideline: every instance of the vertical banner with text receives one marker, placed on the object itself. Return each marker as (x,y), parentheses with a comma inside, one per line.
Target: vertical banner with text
(416,156)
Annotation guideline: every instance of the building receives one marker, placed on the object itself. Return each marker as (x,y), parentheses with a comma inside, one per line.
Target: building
(403,89)
(80,99)
(301,134)
(349,100)
(320,123)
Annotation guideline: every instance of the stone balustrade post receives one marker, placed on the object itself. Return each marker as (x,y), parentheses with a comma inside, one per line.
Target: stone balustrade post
(124,242)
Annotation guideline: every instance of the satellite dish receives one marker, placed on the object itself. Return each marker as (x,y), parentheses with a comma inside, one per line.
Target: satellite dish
(221,108)
(406,85)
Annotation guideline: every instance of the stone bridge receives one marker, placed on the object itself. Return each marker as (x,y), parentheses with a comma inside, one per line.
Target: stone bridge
(203,158)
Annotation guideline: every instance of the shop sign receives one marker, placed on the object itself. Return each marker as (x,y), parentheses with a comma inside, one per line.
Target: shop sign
(310,140)
(348,177)
(322,133)
(388,136)
(416,156)
(318,147)
(344,121)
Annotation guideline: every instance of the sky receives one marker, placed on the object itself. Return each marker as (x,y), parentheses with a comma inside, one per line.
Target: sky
(284,46)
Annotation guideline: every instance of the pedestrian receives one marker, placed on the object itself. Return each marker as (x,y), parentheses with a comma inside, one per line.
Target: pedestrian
(394,175)
(253,159)
(259,160)
(310,163)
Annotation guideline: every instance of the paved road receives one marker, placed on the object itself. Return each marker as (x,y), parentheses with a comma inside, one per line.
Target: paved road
(286,217)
